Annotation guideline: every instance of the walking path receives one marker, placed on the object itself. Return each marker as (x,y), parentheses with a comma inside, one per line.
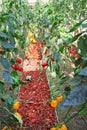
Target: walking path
(37,113)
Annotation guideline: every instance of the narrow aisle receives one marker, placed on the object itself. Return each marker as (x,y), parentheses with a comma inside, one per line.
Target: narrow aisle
(37,113)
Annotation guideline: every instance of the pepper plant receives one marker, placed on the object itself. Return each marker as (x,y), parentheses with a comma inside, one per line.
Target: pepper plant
(62,27)
(13,38)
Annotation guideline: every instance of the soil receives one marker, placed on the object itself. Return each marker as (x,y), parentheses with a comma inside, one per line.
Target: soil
(34,96)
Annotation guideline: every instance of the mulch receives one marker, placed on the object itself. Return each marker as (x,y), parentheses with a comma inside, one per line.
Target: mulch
(34,96)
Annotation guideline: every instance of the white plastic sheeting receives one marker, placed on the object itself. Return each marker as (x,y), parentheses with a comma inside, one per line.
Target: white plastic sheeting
(0,2)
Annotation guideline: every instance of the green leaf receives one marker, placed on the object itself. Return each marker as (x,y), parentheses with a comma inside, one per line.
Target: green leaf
(55,94)
(15,50)
(2,89)
(6,63)
(53,87)
(73,39)
(84,110)
(77,70)
(82,45)
(9,101)
(61,49)
(77,62)
(14,74)
(77,25)
(51,66)
(10,25)
(83,72)
(16,80)
(7,45)
(3,35)
(22,82)
(77,96)
(57,69)
(53,39)
(18,119)
(67,90)
(7,76)
(75,81)
(56,55)
(2,82)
